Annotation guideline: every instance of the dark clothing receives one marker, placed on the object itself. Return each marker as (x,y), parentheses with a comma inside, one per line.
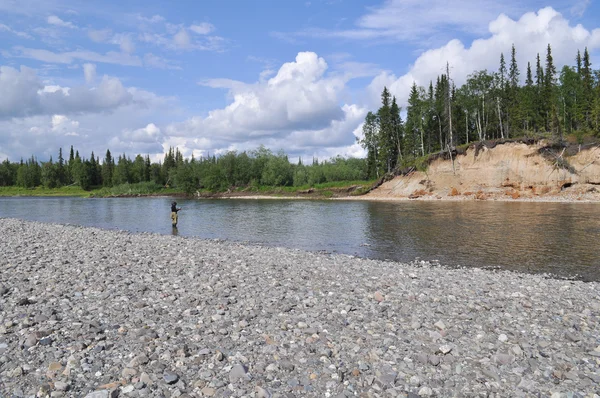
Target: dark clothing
(174,210)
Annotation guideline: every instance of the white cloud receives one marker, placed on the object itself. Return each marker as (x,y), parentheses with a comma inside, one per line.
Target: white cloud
(89,72)
(6,28)
(149,134)
(203,28)
(100,36)
(530,35)
(125,42)
(579,7)
(298,109)
(178,38)
(23,94)
(54,20)
(68,57)
(152,19)
(182,39)
(155,61)
(61,123)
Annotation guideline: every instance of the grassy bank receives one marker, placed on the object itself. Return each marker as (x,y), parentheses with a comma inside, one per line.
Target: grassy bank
(325,190)
(317,191)
(41,191)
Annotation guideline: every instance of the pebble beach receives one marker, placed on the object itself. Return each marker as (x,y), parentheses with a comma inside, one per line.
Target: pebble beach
(94,313)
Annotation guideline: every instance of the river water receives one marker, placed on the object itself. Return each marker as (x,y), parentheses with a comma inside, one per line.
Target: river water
(557,238)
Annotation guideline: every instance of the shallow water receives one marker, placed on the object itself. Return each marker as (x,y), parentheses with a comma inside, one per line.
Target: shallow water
(557,238)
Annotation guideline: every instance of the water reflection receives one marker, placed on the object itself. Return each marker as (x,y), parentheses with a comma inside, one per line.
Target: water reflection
(533,237)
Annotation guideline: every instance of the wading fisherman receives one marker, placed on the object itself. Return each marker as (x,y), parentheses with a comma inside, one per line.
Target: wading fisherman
(174,210)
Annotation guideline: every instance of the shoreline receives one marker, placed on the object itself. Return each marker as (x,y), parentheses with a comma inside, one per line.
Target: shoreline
(86,309)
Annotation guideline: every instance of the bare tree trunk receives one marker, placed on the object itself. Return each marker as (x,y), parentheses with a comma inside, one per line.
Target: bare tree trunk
(500,117)
(422,142)
(449,103)
(466,126)
(478,125)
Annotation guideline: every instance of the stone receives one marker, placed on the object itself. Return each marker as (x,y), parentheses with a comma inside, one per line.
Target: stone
(503,338)
(30,341)
(378,297)
(61,386)
(170,377)
(238,373)
(440,325)
(287,365)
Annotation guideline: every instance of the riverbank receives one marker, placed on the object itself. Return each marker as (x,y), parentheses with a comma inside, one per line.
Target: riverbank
(88,310)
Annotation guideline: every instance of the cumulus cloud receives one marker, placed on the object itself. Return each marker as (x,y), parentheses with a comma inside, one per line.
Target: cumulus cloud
(143,140)
(64,125)
(299,108)
(25,95)
(530,34)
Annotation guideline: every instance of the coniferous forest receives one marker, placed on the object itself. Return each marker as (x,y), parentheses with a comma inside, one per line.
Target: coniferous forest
(490,105)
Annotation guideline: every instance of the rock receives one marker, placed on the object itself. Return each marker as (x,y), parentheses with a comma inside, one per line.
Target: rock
(503,338)
(287,365)
(61,386)
(30,341)
(378,297)
(262,393)
(46,340)
(238,373)
(103,394)
(170,377)
(131,308)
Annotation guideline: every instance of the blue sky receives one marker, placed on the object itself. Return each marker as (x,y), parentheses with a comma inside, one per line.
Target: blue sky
(138,77)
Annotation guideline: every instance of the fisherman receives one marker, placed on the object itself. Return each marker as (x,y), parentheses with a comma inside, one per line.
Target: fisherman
(174,210)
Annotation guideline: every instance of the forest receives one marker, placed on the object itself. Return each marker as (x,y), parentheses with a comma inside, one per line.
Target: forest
(440,117)
(490,105)
(259,167)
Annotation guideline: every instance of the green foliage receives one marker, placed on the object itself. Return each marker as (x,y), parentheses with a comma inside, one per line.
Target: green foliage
(490,105)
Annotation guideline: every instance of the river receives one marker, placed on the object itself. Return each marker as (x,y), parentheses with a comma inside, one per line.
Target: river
(556,238)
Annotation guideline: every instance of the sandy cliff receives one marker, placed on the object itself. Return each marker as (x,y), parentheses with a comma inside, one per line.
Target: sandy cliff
(506,171)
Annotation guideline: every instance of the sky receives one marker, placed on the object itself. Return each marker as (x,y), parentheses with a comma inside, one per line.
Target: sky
(207,77)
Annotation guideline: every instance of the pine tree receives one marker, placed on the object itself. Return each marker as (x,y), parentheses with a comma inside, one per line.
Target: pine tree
(528,101)
(538,101)
(414,122)
(549,96)
(587,82)
(513,109)
(108,170)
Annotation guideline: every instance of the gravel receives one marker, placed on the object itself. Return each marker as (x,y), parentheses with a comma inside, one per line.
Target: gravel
(86,312)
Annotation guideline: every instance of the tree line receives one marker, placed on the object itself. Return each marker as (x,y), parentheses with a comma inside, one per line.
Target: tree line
(490,105)
(260,167)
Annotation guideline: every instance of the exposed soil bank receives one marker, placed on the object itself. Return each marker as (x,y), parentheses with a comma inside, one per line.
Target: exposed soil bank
(509,171)
(93,313)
